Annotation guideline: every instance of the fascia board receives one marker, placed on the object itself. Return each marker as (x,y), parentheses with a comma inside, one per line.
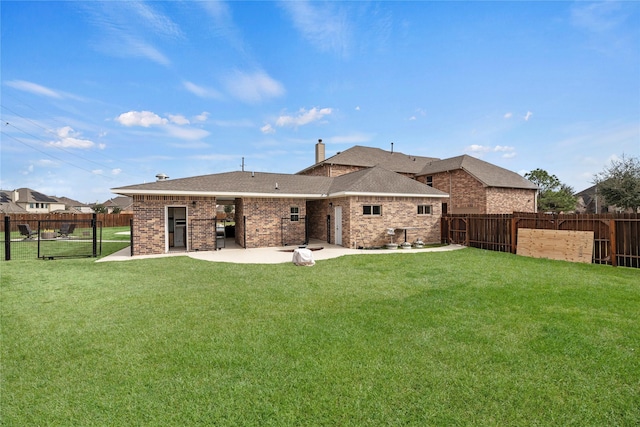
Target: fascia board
(130,192)
(414,195)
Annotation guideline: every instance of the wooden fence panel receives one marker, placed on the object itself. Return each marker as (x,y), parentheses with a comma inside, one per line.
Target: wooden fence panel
(616,237)
(108,220)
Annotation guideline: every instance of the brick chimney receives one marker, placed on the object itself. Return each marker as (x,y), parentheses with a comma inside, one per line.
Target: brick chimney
(320,151)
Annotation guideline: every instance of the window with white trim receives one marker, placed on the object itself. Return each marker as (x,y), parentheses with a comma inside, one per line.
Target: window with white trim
(424,210)
(295,213)
(429,180)
(372,210)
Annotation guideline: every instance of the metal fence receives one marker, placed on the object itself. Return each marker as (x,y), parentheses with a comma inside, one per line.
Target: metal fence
(51,238)
(616,236)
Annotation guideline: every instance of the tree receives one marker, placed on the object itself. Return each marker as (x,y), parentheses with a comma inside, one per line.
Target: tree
(116,210)
(100,208)
(619,183)
(554,196)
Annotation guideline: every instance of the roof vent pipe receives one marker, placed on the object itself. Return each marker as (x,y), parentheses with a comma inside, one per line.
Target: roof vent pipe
(392,148)
(162,177)
(320,151)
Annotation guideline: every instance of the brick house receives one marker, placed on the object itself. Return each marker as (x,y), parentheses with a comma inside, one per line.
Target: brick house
(352,210)
(473,185)
(351,199)
(476,186)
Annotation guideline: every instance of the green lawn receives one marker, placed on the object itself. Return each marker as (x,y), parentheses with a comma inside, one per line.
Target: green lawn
(468,337)
(110,239)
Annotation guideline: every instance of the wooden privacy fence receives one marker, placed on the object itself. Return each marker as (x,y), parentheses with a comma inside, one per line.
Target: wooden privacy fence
(107,220)
(616,237)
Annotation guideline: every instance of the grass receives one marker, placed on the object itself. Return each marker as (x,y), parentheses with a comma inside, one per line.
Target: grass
(78,245)
(468,337)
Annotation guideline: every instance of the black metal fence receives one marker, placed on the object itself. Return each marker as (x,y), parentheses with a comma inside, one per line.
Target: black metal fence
(51,238)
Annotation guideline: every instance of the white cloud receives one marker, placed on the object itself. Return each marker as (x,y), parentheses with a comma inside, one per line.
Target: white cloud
(304,117)
(140,118)
(34,88)
(508,115)
(509,152)
(267,129)
(357,108)
(528,116)
(128,28)
(178,119)
(253,87)
(202,117)
(354,138)
(598,16)
(324,25)
(68,138)
(412,118)
(116,171)
(186,133)
(201,91)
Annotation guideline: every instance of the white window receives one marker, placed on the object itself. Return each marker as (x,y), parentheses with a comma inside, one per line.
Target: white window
(430,181)
(372,210)
(295,213)
(424,209)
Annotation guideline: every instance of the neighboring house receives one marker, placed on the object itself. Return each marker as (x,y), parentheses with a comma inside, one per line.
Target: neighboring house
(123,203)
(352,210)
(351,199)
(473,185)
(74,206)
(590,201)
(34,202)
(7,205)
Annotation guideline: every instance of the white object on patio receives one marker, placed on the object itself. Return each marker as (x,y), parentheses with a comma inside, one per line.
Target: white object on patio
(303,256)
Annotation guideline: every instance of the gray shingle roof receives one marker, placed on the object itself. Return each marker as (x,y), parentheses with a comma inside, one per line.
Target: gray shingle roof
(487,173)
(238,184)
(381,181)
(369,156)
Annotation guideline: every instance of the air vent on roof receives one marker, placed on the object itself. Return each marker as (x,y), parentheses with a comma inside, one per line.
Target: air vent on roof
(161,177)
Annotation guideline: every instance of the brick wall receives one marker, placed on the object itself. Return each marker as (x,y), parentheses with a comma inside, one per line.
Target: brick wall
(321,170)
(317,211)
(149,225)
(264,227)
(370,230)
(468,195)
(509,200)
(332,170)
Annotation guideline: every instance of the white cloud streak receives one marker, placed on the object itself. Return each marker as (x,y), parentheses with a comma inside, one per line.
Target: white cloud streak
(140,118)
(34,88)
(508,151)
(68,138)
(201,91)
(324,25)
(253,88)
(303,117)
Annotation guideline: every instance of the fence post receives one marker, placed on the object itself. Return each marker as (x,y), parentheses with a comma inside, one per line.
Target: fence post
(7,238)
(612,242)
(131,235)
(514,234)
(94,226)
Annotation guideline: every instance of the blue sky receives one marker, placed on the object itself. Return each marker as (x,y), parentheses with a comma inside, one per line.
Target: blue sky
(97,95)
